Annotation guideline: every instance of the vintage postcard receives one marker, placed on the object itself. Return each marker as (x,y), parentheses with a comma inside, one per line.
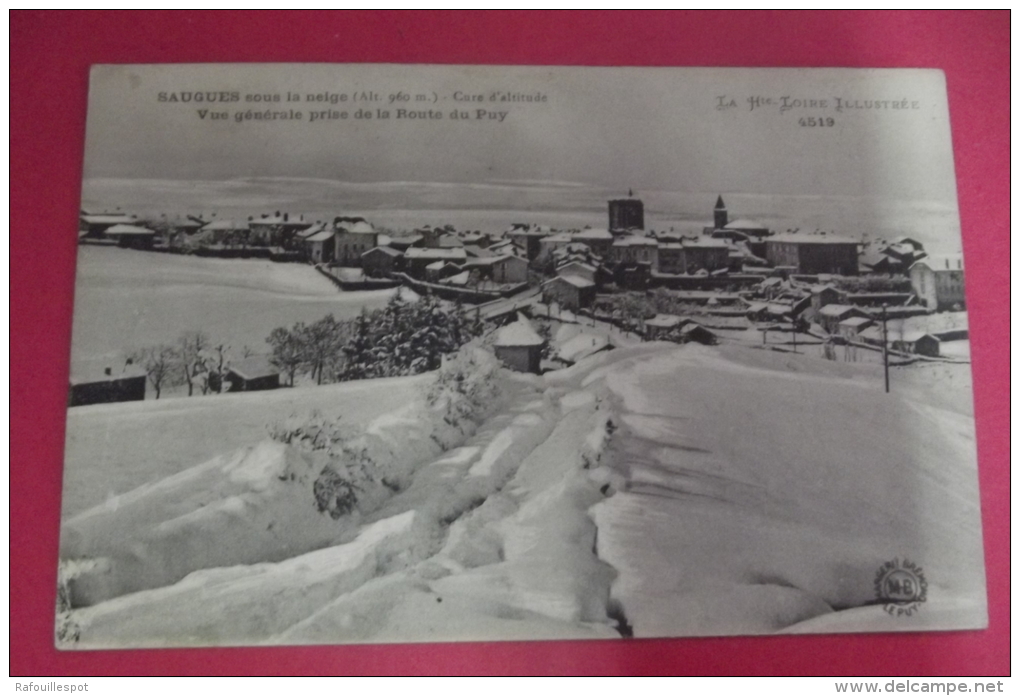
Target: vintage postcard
(395,353)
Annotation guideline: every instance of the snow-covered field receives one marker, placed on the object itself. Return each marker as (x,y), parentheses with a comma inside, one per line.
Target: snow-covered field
(652,490)
(113,448)
(127,299)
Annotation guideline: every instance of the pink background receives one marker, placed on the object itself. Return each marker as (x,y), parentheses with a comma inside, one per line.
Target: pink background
(50,56)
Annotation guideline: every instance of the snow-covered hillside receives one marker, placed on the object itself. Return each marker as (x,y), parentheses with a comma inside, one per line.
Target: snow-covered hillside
(652,490)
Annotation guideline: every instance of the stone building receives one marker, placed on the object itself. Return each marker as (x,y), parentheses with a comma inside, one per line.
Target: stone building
(938,281)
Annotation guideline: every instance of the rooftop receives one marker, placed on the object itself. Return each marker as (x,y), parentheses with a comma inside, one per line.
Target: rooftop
(118,230)
(254,367)
(835,310)
(665,321)
(745,224)
(389,251)
(445,254)
(811,239)
(594,233)
(519,333)
(320,236)
(576,281)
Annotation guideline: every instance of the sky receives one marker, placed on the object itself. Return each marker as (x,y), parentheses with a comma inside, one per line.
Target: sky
(614,128)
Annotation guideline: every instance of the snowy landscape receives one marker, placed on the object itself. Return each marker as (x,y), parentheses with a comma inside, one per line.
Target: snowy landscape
(654,490)
(624,363)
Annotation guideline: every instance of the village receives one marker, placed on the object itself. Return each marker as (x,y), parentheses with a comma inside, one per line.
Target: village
(564,294)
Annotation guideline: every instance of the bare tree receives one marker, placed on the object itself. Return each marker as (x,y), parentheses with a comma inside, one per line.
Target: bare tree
(162,365)
(191,348)
(288,349)
(217,365)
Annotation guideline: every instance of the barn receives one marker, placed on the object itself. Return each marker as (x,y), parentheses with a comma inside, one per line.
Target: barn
(107,385)
(519,347)
(253,374)
(570,292)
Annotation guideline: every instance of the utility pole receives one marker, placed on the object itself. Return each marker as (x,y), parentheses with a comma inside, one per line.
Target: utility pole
(795,335)
(885,346)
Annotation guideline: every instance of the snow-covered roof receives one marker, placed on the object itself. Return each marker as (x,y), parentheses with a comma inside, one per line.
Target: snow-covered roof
(356,227)
(320,236)
(911,336)
(388,251)
(634,240)
(254,367)
(576,264)
(576,281)
(118,230)
(312,229)
(837,310)
(410,240)
(664,321)
(559,238)
(594,233)
(705,242)
(477,251)
(450,241)
(811,239)
(95,371)
(855,321)
(458,279)
(519,333)
(745,224)
(225,225)
(444,254)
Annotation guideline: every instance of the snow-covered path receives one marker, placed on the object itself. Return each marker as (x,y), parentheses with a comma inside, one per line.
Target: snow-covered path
(653,490)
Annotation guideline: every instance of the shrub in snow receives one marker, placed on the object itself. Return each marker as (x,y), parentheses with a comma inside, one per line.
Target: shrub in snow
(335,494)
(347,470)
(464,388)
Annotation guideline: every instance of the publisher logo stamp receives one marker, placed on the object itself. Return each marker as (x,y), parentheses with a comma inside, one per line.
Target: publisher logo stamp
(900,586)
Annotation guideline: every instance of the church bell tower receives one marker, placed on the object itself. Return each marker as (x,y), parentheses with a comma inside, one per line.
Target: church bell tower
(721,216)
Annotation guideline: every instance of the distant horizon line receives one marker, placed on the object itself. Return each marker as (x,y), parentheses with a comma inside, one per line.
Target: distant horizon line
(507,183)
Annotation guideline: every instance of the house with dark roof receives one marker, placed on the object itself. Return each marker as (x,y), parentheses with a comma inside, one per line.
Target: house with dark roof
(416,259)
(317,242)
(253,374)
(830,316)
(519,347)
(134,236)
(94,226)
(276,230)
(569,291)
(850,328)
(662,326)
(381,261)
(106,384)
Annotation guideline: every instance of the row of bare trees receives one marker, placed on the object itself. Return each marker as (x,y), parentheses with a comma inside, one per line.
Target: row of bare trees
(193,360)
